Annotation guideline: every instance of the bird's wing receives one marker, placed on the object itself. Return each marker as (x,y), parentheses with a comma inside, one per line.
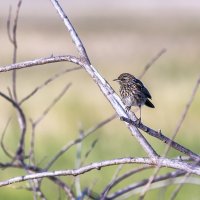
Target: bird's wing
(146,92)
(142,88)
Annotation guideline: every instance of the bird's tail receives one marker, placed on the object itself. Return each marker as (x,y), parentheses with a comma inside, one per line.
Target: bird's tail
(149,104)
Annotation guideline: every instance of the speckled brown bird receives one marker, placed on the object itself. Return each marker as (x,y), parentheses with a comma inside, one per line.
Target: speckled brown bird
(133,92)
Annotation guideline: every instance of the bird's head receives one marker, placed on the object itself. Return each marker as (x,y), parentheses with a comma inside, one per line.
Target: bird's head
(125,79)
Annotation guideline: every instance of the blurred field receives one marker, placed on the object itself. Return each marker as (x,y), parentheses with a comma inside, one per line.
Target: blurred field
(118,38)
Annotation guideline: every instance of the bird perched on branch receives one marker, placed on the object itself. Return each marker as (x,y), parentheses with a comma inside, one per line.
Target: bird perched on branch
(133,92)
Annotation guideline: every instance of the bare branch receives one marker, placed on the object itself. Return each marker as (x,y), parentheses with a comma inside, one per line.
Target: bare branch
(163,138)
(163,162)
(41,61)
(13,40)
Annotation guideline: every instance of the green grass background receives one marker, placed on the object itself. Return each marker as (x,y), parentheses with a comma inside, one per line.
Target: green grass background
(119,37)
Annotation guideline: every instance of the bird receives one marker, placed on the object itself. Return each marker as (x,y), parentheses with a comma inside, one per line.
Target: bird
(133,92)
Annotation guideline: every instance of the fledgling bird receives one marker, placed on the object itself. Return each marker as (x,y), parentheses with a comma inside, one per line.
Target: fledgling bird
(133,92)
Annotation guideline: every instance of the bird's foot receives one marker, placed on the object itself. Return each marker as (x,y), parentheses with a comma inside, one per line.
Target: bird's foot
(138,121)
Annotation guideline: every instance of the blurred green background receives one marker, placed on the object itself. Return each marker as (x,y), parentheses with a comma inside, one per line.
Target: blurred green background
(119,36)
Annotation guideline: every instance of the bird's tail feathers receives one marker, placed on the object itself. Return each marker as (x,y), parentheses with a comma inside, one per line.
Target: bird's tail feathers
(149,104)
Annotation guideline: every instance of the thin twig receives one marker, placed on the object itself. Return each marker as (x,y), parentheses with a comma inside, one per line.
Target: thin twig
(14,74)
(92,146)
(36,122)
(144,182)
(38,191)
(2,143)
(159,185)
(8,25)
(150,63)
(121,178)
(78,164)
(109,186)
(65,187)
(55,76)
(176,191)
(22,123)
(78,140)
(21,117)
(14,31)
(46,111)
(32,144)
(187,107)
(13,40)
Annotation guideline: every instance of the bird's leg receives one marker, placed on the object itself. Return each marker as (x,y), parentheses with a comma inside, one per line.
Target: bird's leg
(139,119)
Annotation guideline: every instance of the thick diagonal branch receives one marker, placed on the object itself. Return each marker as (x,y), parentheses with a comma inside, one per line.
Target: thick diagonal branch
(102,83)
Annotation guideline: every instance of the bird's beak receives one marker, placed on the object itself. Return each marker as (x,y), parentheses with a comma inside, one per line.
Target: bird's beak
(116,80)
